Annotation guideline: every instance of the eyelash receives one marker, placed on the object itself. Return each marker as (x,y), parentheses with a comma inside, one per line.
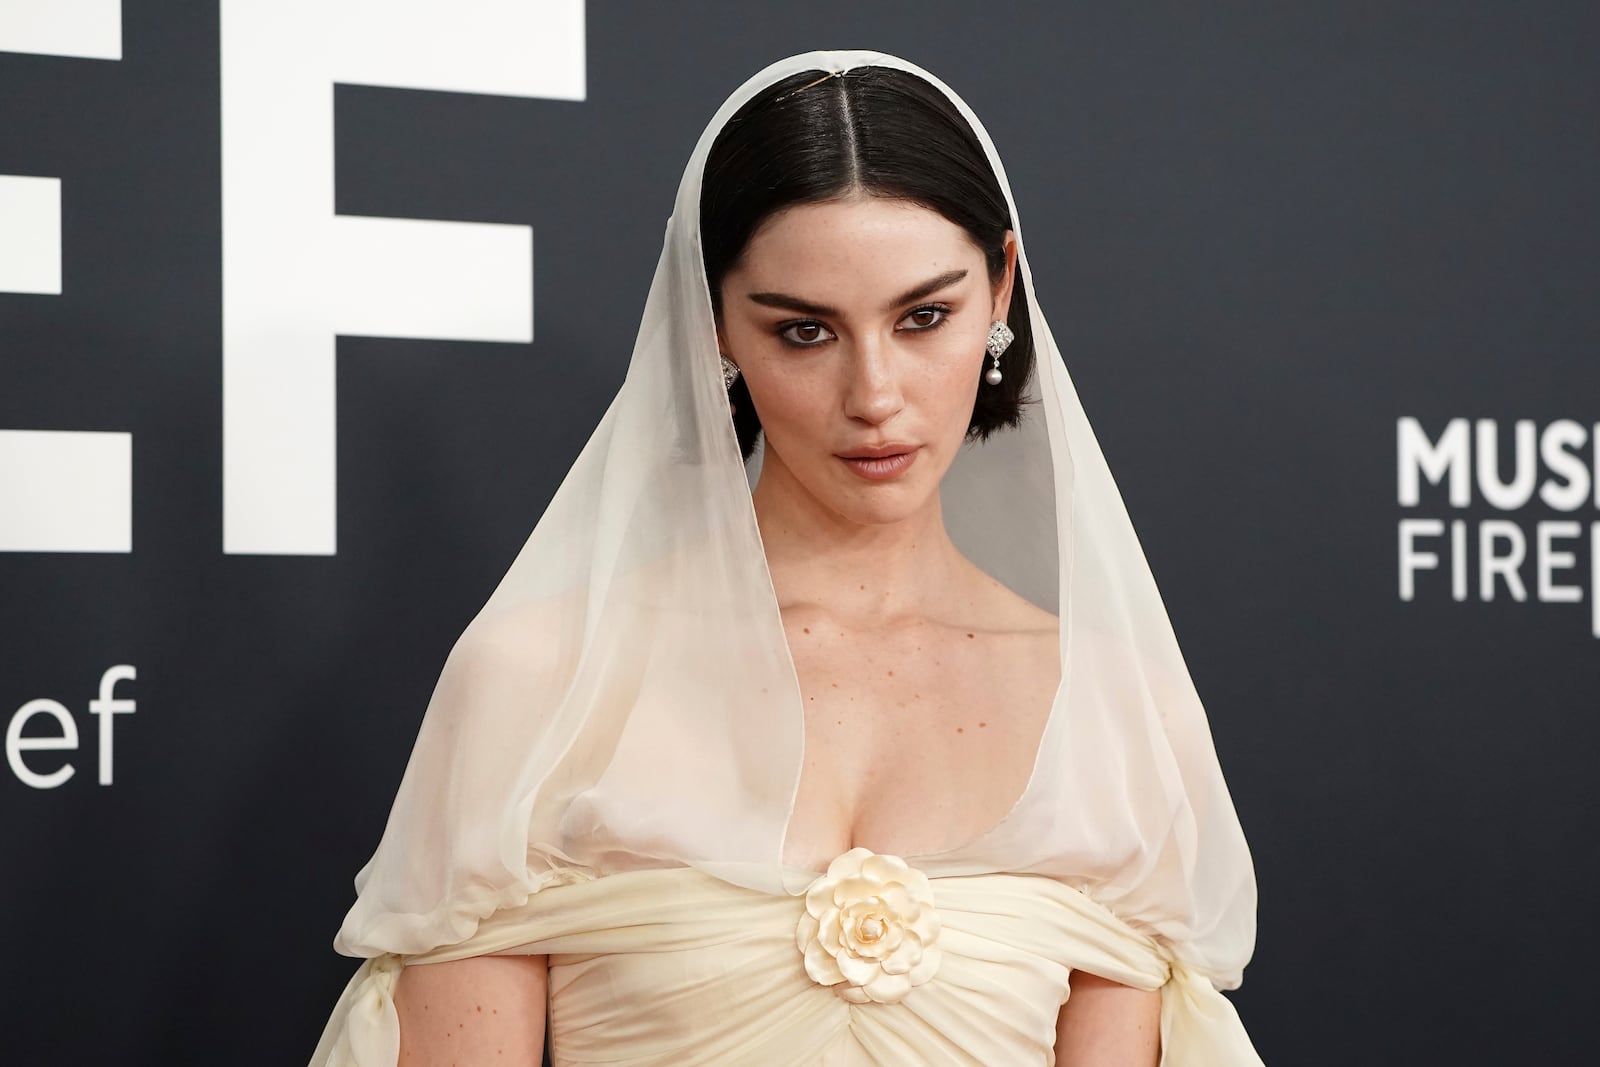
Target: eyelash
(784,328)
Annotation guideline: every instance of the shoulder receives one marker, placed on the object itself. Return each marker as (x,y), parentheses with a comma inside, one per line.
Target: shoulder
(516,649)
(1002,611)
(1020,641)
(518,641)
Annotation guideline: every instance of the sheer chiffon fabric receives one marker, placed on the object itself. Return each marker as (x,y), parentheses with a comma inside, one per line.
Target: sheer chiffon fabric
(623,719)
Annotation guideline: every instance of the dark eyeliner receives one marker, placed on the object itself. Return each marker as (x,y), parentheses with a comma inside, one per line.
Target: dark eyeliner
(944,317)
(784,327)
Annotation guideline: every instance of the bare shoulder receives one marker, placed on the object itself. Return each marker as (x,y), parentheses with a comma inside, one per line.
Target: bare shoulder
(1020,641)
(1023,615)
(1002,611)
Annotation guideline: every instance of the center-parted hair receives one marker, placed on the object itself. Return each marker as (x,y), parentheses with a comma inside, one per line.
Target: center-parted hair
(875,131)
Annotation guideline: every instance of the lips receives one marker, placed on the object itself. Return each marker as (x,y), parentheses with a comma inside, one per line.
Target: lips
(879,463)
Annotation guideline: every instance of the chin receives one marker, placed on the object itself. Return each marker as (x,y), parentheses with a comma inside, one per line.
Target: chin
(880,505)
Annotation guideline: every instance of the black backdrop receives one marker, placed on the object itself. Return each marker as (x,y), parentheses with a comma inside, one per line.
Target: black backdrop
(1266,236)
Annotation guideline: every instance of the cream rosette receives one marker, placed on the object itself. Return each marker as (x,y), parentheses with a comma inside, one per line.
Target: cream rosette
(870,929)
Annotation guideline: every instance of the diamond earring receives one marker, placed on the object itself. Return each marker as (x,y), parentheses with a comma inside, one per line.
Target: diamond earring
(1000,338)
(730,372)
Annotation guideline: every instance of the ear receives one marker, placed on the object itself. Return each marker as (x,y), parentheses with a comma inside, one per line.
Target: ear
(722,340)
(1002,291)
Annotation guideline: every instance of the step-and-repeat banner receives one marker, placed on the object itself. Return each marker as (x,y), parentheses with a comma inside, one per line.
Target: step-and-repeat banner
(283,284)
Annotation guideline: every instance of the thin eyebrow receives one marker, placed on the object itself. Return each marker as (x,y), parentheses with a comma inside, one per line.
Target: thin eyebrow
(806,307)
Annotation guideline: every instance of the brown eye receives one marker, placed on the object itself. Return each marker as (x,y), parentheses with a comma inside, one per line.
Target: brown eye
(927,318)
(804,334)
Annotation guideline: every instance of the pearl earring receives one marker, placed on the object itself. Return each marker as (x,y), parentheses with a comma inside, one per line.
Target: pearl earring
(730,372)
(1000,338)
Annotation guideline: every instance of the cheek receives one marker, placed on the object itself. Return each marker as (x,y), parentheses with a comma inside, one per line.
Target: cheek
(790,405)
(736,337)
(779,412)
(951,376)
(793,393)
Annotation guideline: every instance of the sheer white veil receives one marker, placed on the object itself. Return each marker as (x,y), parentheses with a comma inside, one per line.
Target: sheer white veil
(626,698)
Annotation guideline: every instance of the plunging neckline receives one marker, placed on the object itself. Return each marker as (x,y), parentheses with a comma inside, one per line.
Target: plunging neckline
(941,856)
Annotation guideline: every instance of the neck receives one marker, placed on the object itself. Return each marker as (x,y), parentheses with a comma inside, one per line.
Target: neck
(864,575)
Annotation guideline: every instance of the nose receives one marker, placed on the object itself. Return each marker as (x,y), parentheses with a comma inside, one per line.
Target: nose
(872,392)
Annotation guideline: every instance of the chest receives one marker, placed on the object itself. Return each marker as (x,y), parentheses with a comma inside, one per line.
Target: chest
(916,740)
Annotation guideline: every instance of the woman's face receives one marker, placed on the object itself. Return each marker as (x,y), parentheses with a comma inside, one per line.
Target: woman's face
(859,327)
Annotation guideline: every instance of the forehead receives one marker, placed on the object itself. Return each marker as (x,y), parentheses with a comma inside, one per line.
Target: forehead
(859,247)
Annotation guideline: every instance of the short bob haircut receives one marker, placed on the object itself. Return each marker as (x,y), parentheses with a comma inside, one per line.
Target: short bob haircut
(876,131)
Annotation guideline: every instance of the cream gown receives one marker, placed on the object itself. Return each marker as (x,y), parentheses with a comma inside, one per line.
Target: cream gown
(671,966)
(590,782)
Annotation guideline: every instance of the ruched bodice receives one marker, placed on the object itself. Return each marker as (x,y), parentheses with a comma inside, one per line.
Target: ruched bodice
(717,978)
(675,967)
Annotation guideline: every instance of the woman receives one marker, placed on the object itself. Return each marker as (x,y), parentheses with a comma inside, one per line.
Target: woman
(891,759)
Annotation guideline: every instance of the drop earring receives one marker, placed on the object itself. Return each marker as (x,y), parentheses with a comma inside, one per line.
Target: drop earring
(1000,338)
(730,372)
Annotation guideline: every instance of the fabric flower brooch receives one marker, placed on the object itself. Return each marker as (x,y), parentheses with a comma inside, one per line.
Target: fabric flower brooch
(870,929)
